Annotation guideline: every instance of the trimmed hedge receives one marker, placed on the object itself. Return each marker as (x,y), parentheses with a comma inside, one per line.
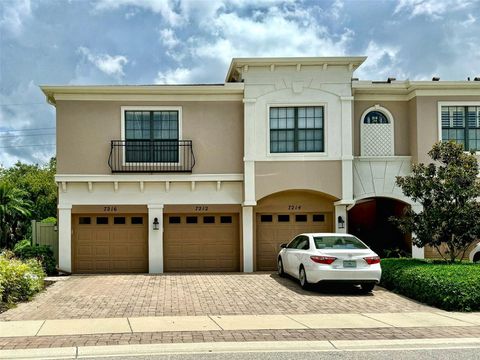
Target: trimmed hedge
(453,287)
(19,280)
(43,253)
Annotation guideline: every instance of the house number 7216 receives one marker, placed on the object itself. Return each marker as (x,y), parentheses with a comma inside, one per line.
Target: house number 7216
(109,208)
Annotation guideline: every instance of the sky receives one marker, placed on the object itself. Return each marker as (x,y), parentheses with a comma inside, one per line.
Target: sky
(88,42)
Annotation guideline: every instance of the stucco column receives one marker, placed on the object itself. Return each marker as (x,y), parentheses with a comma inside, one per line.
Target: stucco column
(155,239)
(65,238)
(340,210)
(247,230)
(347,148)
(417,253)
(249,152)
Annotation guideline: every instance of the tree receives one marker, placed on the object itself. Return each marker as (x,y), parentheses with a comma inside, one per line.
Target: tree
(448,189)
(39,184)
(14,207)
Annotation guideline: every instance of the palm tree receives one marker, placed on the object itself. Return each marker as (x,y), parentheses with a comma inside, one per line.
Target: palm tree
(13,208)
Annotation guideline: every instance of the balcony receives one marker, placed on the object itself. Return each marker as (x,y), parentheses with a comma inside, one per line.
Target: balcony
(151,156)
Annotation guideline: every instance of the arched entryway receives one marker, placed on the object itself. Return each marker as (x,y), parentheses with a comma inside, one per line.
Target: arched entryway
(369,221)
(281,216)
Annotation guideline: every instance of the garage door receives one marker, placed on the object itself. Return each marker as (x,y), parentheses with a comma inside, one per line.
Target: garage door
(196,243)
(110,244)
(274,229)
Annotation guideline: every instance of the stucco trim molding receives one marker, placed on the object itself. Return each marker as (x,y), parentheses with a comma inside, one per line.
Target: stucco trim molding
(147,178)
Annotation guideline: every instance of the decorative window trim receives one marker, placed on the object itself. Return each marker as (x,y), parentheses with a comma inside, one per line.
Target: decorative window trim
(391,120)
(451,103)
(123,109)
(298,155)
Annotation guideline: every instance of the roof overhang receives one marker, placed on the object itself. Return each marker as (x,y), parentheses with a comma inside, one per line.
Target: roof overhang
(352,61)
(233,91)
(406,90)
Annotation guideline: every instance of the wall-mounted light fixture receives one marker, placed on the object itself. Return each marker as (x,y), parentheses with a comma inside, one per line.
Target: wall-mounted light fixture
(156,224)
(341,222)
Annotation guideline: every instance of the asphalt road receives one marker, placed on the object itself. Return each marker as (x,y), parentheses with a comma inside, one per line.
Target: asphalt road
(418,354)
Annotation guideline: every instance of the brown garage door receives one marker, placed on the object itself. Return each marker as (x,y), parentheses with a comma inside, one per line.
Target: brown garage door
(208,242)
(110,243)
(274,229)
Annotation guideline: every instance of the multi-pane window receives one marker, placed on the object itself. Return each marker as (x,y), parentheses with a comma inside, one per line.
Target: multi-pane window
(462,125)
(151,136)
(297,129)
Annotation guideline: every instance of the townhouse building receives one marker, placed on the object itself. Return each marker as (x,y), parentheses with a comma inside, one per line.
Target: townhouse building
(169,178)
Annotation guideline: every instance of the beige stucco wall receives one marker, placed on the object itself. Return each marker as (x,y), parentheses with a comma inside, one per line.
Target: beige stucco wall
(427,122)
(85,129)
(275,176)
(399,111)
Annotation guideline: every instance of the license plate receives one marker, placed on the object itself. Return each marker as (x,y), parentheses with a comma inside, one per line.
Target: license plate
(349,264)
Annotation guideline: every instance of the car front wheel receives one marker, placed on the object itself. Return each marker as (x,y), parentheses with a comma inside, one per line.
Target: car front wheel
(302,276)
(280,267)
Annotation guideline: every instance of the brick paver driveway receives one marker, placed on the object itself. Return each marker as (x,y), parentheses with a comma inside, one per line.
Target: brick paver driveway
(98,296)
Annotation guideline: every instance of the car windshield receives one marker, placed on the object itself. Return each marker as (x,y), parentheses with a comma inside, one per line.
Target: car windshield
(338,242)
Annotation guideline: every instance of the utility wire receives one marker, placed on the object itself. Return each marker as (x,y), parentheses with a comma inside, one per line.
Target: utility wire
(42,103)
(18,146)
(20,136)
(16,130)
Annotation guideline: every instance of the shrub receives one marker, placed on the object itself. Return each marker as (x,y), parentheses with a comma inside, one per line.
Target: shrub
(22,244)
(43,253)
(19,280)
(449,286)
(49,220)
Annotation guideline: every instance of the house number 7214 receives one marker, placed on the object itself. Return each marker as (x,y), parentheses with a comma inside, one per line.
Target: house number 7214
(294,207)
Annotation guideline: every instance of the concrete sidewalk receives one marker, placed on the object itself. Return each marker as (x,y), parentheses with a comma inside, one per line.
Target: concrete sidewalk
(132,325)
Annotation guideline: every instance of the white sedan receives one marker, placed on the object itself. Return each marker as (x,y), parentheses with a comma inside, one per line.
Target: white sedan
(330,257)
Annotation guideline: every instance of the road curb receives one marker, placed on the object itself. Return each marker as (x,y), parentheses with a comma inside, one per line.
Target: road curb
(237,347)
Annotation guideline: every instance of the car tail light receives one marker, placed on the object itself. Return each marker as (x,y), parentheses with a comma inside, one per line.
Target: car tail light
(323,259)
(372,260)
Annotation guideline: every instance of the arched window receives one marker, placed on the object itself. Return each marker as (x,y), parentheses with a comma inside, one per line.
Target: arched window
(377,132)
(375,117)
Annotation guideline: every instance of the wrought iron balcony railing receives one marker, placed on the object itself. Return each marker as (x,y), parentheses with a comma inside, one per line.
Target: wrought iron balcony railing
(151,156)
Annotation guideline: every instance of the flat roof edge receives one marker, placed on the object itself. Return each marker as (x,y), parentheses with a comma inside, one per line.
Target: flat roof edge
(51,91)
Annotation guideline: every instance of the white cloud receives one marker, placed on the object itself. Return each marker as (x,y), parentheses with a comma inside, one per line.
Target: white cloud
(381,60)
(286,30)
(13,14)
(166,8)
(168,38)
(177,76)
(110,65)
(434,9)
(274,33)
(469,21)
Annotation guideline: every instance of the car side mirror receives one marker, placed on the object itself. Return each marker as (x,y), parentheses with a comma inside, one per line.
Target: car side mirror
(283,246)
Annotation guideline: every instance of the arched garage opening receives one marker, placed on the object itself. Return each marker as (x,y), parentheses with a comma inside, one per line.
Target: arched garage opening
(281,216)
(369,221)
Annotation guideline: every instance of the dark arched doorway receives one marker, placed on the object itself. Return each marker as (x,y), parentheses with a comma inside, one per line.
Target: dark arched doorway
(369,221)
